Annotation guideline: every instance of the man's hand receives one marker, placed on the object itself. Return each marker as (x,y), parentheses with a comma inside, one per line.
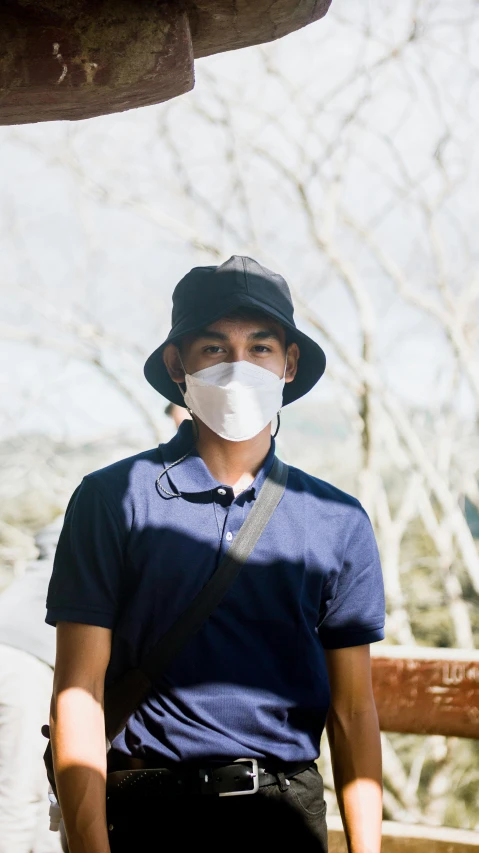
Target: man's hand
(77,728)
(353,733)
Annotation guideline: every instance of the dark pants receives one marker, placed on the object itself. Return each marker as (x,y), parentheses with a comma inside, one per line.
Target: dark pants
(268,820)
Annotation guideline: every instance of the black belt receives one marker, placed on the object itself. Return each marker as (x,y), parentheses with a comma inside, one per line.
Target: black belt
(243,776)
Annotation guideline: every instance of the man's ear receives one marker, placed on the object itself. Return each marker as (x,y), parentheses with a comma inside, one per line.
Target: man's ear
(292,357)
(172,360)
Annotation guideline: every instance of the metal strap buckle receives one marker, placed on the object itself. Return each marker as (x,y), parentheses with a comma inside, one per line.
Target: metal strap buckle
(253,775)
(225,781)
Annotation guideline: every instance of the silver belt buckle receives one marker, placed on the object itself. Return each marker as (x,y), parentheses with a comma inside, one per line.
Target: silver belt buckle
(254,775)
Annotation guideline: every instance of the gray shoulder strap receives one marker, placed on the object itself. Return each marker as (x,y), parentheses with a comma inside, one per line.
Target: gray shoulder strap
(206,601)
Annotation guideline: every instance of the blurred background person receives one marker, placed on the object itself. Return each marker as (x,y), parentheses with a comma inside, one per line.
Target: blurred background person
(27,656)
(177,414)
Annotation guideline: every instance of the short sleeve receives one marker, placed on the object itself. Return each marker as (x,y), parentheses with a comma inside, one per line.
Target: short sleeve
(88,568)
(355,613)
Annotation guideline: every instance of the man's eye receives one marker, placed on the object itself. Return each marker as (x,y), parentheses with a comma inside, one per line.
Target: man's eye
(261,348)
(213,349)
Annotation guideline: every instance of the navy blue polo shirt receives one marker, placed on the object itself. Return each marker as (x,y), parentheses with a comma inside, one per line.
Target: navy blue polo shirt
(253,682)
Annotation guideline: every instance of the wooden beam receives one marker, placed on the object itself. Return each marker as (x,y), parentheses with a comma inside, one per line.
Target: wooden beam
(427,691)
(79,59)
(220,25)
(410,838)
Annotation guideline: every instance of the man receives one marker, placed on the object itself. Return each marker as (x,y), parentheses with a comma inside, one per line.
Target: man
(27,655)
(288,643)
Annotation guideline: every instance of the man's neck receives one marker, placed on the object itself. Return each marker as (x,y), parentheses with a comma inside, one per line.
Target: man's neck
(234,463)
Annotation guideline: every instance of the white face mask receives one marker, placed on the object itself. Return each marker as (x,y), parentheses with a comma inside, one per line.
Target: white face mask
(236,400)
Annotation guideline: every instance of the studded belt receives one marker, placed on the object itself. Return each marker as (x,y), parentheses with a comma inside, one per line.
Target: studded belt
(240,777)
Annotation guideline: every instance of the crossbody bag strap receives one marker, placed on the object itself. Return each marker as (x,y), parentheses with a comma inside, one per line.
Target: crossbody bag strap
(207,600)
(124,697)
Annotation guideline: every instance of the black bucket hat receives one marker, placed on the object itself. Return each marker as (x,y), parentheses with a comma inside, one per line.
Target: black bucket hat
(206,294)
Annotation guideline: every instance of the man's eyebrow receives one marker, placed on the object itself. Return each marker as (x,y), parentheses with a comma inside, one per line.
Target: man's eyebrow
(260,335)
(264,335)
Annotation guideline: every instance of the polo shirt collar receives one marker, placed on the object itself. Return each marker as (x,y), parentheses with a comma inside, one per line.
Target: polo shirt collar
(191,476)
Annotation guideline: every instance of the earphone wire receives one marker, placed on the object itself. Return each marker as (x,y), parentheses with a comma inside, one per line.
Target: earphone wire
(178,461)
(278,423)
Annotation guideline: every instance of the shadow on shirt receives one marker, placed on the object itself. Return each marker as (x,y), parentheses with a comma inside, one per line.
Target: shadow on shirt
(253,681)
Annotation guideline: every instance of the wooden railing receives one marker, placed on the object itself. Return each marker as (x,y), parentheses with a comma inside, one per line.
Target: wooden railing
(411,838)
(423,691)
(427,691)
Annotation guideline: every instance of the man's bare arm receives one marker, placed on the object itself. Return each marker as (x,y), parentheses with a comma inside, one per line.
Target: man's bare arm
(78,733)
(353,733)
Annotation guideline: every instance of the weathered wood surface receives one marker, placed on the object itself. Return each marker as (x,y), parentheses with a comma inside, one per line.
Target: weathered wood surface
(219,25)
(405,838)
(427,691)
(73,59)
